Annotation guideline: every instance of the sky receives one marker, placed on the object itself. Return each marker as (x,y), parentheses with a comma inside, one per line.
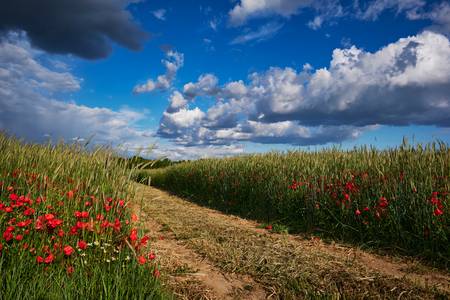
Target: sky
(193,79)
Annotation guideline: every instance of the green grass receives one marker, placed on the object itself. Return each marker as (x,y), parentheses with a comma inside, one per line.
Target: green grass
(43,183)
(381,199)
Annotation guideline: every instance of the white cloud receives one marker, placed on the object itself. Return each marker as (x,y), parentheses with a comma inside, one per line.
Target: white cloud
(264,32)
(251,9)
(160,14)
(205,85)
(375,8)
(247,9)
(403,83)
(174,61)
(29,109)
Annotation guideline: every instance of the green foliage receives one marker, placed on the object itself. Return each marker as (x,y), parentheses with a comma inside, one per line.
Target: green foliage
(396,198)
(39,184)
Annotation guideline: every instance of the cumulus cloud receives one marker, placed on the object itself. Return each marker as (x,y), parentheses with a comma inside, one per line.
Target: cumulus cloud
(206,85)
(29,107)
(403,83)
(172,63)
(160,14)
(406,82)
(84,28)
(264,32)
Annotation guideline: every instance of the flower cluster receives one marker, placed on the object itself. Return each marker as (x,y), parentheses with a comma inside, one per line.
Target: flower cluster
(58,228)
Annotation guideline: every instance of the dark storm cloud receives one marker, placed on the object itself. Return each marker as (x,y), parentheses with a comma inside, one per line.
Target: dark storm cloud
(81,27)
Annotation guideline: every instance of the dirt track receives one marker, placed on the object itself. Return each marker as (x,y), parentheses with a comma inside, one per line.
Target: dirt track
(205,254)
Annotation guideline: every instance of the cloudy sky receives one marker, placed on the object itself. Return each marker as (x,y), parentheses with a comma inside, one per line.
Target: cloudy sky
(216,78)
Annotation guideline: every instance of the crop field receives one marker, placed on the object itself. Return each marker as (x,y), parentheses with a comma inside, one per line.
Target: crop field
(66,229)
(395,200)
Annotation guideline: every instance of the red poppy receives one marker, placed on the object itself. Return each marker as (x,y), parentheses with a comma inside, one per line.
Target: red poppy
(357,212)
(39,259)
(68,250)
(28,212)
(70,270)
(151,256)
(142,260)
(70,194)
(133,235)
(19,237)
(269,227)
(156,273)
(82,245)
(49,259)
(438,212)
(144,240)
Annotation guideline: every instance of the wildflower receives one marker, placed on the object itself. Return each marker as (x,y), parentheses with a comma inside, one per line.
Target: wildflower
(357,212)
(151,256)
(28,212)
(70,270)
(156,273)
(134,218)
(82,245)
(144,240)
(87,203)
(70,194)
(269,227)
(68,250)
(39,259)
(133,235)
(366,208)
(142,260)
(19,237)
(49,259)
(383,202)
(438,212)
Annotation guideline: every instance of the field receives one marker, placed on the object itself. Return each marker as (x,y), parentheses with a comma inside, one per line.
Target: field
(395,200)
(74,225)
(66,229)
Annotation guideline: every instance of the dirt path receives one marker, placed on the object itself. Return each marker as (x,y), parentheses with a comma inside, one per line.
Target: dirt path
(190,275)
(209,255)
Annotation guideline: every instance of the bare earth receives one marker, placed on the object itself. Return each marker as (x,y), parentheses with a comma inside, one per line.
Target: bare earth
(204,254)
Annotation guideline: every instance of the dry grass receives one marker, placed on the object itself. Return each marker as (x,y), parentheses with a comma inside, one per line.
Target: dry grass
(288,268)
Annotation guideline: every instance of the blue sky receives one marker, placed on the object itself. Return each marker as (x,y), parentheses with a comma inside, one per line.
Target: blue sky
(235,76)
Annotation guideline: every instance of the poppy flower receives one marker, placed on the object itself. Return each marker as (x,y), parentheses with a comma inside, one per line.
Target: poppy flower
(19,237)
(49,259)
(151,256)
(142,260)
(68,250)
(156,273)
(82,245)
(438,212)
(39,259)
(133,235)
(70,270)
(357,212)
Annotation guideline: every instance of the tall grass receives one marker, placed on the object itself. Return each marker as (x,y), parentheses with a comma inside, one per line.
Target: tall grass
(396,198)
(66,226)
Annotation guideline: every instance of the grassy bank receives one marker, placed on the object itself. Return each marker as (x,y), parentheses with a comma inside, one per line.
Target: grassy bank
(67,232)
(396,199)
